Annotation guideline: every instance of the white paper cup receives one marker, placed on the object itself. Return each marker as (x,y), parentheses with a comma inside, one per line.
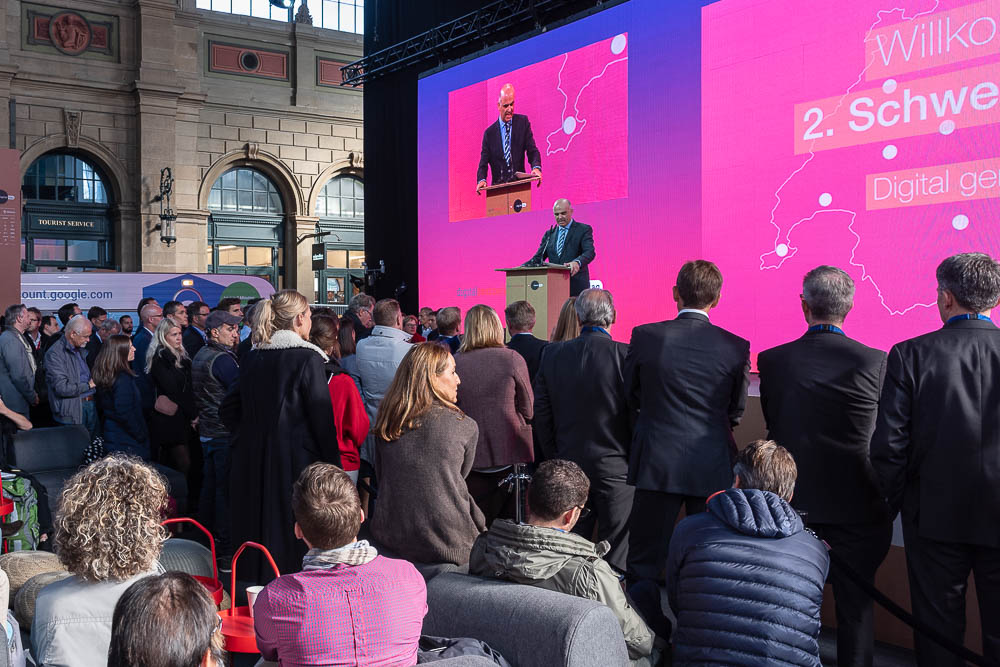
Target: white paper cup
(252,592)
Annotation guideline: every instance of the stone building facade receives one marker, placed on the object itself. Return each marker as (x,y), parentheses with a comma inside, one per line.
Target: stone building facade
(264,146)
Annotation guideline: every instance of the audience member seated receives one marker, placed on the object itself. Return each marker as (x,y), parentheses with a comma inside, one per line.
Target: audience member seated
(567,326)
(108,535)
(424,452)
(448,320)
(118,398)
(348,409)
(744,578)
(496,393)
(167,620)
(349,605)
(546,554)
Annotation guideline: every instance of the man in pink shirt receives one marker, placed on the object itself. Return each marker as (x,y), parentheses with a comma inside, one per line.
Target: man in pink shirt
(348,605)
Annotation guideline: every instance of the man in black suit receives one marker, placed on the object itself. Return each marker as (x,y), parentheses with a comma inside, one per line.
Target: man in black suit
(568,242)
(97,316)
(820,397)
(581,415)
(448,321)
(505,144)
(520,318)
(936,450)
(196,336)
(687,378)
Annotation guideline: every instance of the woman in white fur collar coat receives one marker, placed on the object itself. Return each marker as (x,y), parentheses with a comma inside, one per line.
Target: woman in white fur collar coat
(282,420)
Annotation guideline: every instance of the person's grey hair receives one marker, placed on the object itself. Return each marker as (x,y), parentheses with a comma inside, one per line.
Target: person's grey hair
(767,466)
(448,320)
(360,302)
(973,278)
(110,328)
(77,323)
(595,307)
(13,312)
(829,292)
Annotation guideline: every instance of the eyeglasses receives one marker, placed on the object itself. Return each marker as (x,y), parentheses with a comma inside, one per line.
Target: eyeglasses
(584,511)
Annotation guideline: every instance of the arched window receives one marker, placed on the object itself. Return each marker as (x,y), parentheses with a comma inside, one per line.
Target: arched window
(341,197)
(245,190)
(340,206)
(66,224)
(245,232)
(64,177)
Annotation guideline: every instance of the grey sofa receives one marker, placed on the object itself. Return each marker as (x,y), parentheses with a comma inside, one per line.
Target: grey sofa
(529,626)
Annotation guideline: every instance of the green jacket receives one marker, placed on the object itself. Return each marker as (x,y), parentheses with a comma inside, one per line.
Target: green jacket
(561,562)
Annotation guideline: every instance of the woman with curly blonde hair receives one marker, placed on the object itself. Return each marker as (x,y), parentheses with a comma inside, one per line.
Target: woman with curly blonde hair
(108,535)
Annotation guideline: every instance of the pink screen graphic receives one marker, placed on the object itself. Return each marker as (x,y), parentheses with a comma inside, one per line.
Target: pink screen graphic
(853,134)
(577,104)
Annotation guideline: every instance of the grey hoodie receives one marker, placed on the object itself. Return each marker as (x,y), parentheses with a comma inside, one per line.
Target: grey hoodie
(561,562)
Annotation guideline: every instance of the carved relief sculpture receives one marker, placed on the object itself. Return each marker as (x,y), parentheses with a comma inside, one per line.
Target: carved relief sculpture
(70,33)
(73,121)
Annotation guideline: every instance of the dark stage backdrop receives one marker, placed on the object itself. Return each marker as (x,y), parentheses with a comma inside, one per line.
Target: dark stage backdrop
(390,104)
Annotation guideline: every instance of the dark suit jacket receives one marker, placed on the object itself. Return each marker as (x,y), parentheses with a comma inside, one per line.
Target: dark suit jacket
(92,347)
(820,395)
(688,380)
(141,341)
(530,348)
(578,247)
(192,341)
(521,142)
(936,447)
(580,409)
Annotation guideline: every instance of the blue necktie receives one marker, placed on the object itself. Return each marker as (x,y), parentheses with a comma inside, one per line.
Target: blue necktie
(561,241)
(506,142)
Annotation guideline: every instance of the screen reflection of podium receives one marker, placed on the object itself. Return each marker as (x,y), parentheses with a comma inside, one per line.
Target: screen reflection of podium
(510,197)
(545,287)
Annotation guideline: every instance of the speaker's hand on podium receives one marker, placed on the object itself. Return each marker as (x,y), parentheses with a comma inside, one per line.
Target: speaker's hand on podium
(537,172)
(480,186)
(574,268)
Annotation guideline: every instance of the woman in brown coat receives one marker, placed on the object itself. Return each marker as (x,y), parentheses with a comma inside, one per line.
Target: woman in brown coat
(496,392)
(424,451)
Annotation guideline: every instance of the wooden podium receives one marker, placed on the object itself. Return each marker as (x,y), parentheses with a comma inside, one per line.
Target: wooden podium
(545,287)
(511,197)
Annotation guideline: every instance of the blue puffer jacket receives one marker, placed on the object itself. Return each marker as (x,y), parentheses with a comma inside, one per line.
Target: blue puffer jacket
(746,583)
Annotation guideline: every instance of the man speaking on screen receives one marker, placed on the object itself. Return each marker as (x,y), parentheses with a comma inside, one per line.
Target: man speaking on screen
(505,144)
(568,242)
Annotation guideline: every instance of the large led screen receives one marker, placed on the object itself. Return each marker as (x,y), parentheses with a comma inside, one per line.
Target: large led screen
(769,136)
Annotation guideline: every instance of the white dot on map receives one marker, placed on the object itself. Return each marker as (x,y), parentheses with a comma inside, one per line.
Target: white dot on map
(618,44)
(960,221)
(825,199)
(889,152)
(781,249)
(569,125)
(946,127)
(889,85)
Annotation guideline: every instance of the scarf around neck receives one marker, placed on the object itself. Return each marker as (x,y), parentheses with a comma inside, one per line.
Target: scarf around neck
(355,553)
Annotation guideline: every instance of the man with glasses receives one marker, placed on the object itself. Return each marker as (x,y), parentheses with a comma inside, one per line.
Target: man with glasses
(360,310)
(71,389)
(195,335)
(17,363)
(545,553)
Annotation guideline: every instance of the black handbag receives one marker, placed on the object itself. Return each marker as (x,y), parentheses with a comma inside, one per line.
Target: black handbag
(95,451)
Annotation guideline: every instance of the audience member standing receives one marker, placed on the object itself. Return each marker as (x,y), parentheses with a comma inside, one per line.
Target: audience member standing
(820,396)
(448,320)
(122,422)
(496,393)
(378,356)
(520,318)
(425,450)
(361,310)
(581,415)
(195,336)
(936,450)
(348,349)
(101,333)
(71,389)
(567,326)
(281,419)
(411,327)
(214,373)
(34,332)
(744,579)
(688,380)
(174,412)
(108,536)
(150,316)
(347,594)
(176,311)
(428,321)
(17,363)
(66,312)
(348,409)
(126,322)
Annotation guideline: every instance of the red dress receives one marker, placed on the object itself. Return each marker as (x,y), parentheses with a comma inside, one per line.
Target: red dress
(350,417)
